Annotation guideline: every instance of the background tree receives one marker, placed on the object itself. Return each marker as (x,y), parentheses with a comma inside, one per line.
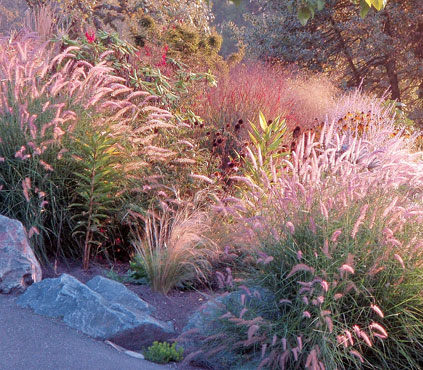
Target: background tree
(11,13)
(381,51)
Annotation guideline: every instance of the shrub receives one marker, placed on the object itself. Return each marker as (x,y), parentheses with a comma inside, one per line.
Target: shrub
(242,94)
(45,101)
(163,352)
(36,173)
(175,249)
(338,240)
(345,294)
(250,88)
(11,12)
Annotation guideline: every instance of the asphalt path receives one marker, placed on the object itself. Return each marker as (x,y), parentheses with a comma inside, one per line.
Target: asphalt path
(33,342)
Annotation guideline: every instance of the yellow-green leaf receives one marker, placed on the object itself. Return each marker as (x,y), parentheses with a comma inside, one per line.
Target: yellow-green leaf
(262,121)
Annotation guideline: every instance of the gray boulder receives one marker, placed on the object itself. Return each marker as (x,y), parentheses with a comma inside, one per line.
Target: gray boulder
(116,292)
(19,267)
(206,322)
(91,312)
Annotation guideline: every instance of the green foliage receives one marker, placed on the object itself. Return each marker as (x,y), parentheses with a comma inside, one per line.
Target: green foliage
(138,270)
(308,8)
(163,352)
(377,4)
(197,49)
(143,30)
(129,278)
(332,280)
(267,140)
(173,91)
(147,22)
(183,39)
(401,119)
(167,78)
(304,13)
(97,156)
(119,50)
(35,185)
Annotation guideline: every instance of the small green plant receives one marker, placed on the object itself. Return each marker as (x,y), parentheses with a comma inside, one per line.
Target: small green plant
(137,268)
(128,277)
(267,143)
(163,352)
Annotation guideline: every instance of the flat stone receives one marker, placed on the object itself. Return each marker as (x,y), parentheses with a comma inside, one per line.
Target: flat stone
(19,267)
(83,309)
(115,292)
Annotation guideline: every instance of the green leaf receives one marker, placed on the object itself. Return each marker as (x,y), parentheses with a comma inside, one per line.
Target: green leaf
(100,175)
(304,14)
(263,122)
(253,138)
(83,177)
(320,5)
(275,145)
(378,4)
(364,8)
(97,217)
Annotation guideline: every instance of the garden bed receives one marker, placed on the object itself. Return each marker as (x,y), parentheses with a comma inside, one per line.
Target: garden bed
(176,307)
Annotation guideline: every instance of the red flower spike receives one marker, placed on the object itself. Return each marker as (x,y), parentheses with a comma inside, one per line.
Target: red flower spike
(90,36)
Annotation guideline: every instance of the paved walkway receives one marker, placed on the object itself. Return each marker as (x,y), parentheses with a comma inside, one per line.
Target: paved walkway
(32,342)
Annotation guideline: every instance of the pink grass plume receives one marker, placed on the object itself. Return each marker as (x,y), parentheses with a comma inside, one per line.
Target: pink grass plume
(359,220)
(300,267)
(377,310)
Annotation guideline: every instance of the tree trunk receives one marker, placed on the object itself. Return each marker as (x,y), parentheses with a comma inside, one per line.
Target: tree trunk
(347,52)
(390,64)
(393,79)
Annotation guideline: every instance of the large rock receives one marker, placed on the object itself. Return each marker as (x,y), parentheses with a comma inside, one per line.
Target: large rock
(206,322)
(19,267)
(89,311)
(116,292)
(134,338)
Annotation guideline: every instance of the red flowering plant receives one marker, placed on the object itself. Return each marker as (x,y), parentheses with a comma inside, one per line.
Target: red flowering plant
(155,55)
(96,46)
(168,78)
(164,56)
(90,36)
